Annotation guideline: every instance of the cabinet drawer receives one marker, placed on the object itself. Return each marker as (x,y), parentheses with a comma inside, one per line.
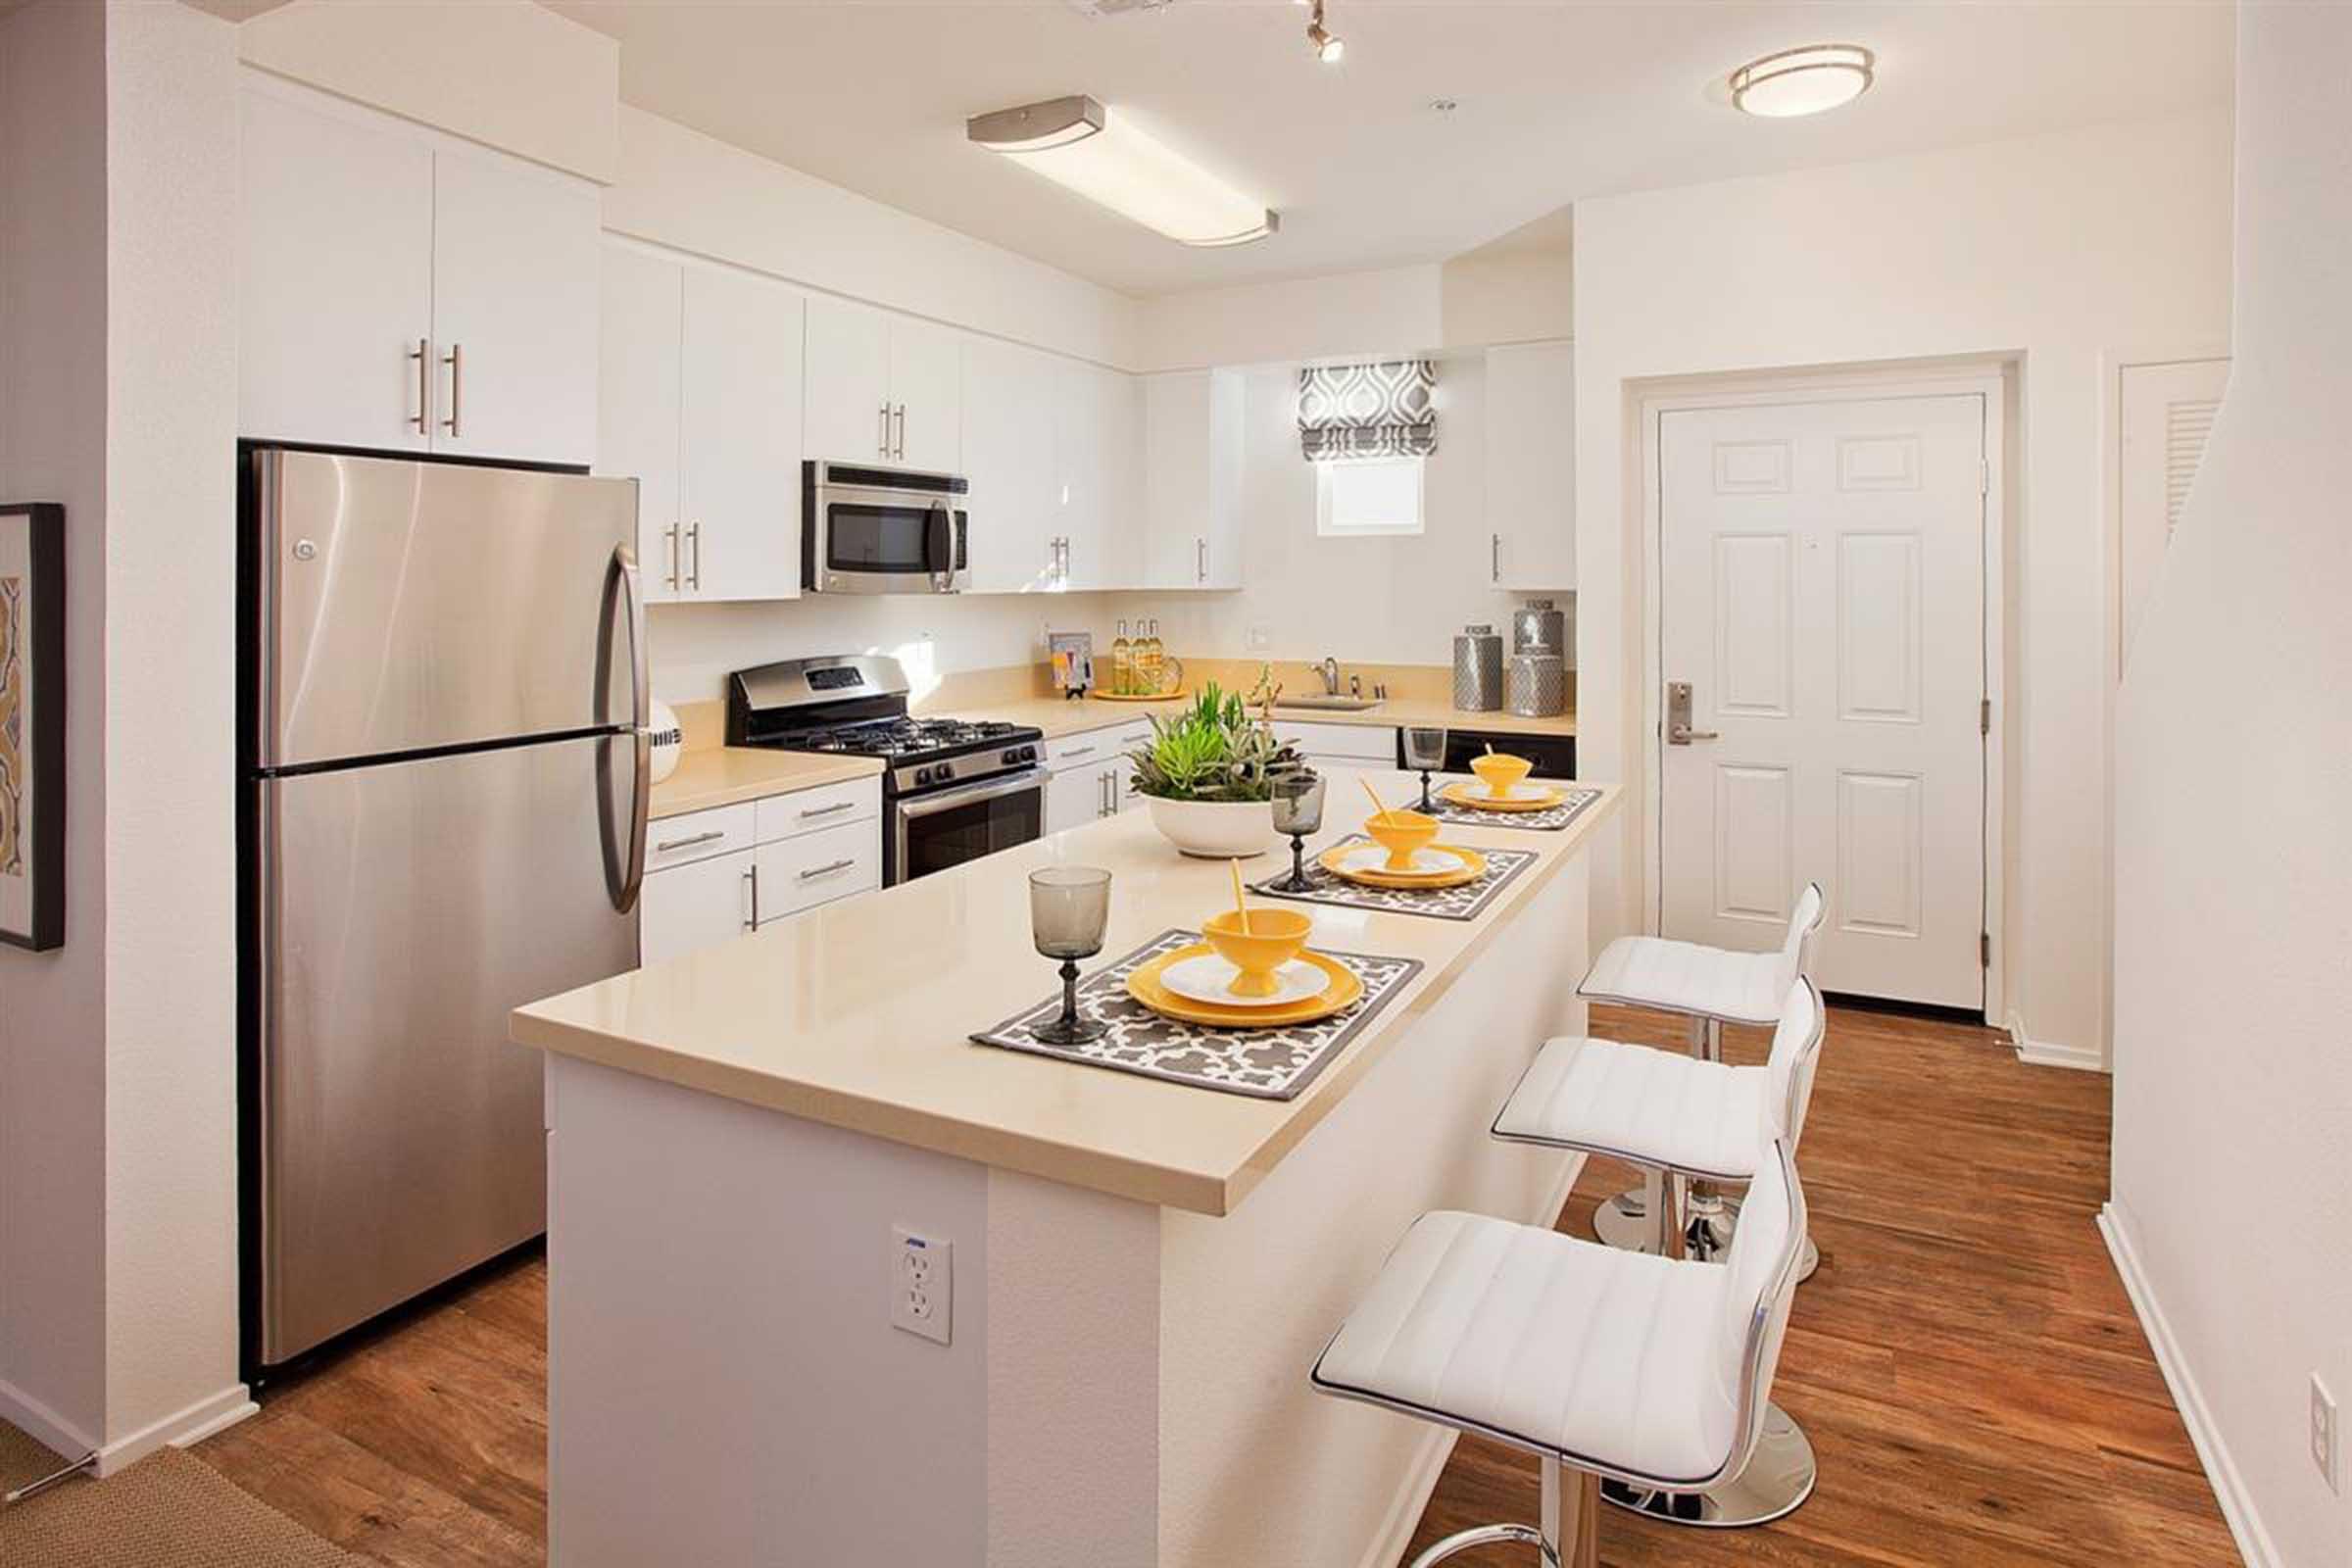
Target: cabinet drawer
(812,869)
(1092,748)
(1373,744)
(697,836)
(781,816)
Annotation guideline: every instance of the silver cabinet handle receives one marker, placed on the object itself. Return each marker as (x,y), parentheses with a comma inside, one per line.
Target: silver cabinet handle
(694,556)
(898,442)
(882,439)
(1495,558)
(1201,560)
(670,533)
(751,876)
(828,811)
(456,360)
(1080,750)
(422,354)
(667,845)
(815,871)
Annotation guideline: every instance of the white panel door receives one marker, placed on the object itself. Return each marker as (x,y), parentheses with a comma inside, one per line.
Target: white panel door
(740,440)
(2167,413)
(1531,466)
(637,404)
(1822,590)
(845,389)
(515,257)
(335,280)
(1008,456)
(926,390)
(689,907)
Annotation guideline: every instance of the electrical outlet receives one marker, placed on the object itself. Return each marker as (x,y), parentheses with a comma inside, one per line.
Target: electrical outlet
(1259,637)
(922,1283)
(2325,1451)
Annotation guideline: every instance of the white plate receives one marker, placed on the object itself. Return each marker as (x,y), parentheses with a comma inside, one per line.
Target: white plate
(1208,978)
(1373,857)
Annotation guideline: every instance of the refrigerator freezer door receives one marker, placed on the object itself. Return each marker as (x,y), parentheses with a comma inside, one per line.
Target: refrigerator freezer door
(412,606)
(407,909)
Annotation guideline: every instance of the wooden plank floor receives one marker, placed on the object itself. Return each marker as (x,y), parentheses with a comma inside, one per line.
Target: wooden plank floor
(1965,1361)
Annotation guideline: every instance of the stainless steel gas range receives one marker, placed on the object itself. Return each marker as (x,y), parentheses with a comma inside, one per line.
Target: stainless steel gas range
(954,789)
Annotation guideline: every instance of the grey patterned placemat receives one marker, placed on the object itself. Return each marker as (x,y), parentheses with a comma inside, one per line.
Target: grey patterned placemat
(1267,1064)
(1549,819)
(1458,903)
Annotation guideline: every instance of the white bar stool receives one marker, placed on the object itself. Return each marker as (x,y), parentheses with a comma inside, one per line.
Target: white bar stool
(1689,1121)
(1652,1373)
(1711,986)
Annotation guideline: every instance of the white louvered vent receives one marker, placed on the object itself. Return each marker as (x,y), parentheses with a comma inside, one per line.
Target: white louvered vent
(2188,426)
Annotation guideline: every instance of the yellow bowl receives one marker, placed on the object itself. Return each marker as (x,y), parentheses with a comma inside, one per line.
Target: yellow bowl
(1275,937)
(1402,832)
(1500,771)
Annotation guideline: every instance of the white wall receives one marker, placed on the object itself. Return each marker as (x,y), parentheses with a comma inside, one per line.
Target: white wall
(1397,310)
(53,366)
(2234,852)
(2052,251)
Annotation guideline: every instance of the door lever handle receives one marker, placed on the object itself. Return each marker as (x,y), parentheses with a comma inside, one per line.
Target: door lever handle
(1678,716)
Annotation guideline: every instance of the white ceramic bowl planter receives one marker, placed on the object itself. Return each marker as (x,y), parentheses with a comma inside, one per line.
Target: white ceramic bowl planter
(1221,830)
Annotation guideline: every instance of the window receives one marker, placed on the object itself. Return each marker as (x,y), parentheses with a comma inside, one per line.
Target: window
(1368,496)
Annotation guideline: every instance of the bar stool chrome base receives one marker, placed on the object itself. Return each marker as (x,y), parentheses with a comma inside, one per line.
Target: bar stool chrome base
(1623,1222)
(1568,1537)
(1489,1536)
(1779,1477)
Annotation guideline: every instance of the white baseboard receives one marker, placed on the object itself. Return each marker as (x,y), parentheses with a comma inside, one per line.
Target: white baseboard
(213,1413)
(43,1425)
(2049,1053)
(2228,1488)
(1436,1444)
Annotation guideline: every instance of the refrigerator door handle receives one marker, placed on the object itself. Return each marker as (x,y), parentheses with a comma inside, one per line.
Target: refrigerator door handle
(629,877)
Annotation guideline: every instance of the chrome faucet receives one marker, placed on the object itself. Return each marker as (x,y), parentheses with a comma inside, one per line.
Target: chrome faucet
(1330,669)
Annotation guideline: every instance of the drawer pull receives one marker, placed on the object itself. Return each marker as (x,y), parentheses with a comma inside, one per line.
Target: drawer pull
(826,811)
(815,871)
(667,845)
(1080,750)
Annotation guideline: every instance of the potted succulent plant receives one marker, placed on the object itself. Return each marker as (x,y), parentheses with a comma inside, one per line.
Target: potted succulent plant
(1208,774)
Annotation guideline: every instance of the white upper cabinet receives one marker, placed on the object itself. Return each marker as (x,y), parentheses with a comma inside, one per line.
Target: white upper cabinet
(1192,479)
(336,280)
(1531,466)
(740,437)
(882,388)
(1008,446)
(638,406)
(1099,446)
(399,294)
(515,310)
(700,402)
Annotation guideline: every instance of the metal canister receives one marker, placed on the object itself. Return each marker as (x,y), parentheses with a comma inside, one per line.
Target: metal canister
(1478,670)
(1538,628)
(1536,685)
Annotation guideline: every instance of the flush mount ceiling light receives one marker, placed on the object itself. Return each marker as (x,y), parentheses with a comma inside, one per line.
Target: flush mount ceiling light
(1329,46)
(1078,144)
(1802,81)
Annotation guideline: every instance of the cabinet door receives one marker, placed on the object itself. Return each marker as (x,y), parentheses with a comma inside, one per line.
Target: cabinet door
(689,907)
(1176,474)
(1531,466)
(1220,565)
(1122,775)
(1073,798)
(637,404)
(1009,424)
(844,388)
(516,255)
(740,437)
(335,280)
(1100,447)
(926,392)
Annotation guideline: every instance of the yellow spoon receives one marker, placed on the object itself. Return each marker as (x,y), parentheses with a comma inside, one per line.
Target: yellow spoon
(1241,907)
(1372,795)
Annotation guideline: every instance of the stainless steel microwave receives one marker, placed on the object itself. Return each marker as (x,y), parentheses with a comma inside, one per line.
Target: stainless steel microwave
(874,530)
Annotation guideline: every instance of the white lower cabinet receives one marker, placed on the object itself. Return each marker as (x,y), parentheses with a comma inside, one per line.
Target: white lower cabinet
(696,906)
(1091,775)
(1342,745)
(800,873)
(1073,798)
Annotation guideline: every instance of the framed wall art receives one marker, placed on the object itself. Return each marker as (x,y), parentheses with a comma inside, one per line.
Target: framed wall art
(32,724)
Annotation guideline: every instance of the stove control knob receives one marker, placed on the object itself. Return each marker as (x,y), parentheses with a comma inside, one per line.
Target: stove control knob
(924,775)
(1028,754)
(1010,757)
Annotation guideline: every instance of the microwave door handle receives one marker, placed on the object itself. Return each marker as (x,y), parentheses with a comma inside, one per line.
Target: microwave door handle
(939,546)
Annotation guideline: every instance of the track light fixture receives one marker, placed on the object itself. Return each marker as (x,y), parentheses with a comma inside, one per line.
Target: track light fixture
(1329,46)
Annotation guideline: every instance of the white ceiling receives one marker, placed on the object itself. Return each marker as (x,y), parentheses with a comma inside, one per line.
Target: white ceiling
(1559,100)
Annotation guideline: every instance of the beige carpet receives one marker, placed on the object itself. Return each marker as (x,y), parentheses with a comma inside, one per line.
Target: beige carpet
(167,1511)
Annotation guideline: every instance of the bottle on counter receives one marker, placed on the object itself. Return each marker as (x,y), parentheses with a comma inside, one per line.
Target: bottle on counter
(1122,664)
(1147,676)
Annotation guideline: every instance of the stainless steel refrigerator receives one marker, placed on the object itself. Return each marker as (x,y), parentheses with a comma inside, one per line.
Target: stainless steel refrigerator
(445,756)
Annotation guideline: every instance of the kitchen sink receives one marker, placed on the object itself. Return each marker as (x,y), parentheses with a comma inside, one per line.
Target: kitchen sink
(1330,704)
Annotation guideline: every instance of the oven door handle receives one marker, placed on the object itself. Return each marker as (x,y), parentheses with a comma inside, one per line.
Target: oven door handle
(987,788)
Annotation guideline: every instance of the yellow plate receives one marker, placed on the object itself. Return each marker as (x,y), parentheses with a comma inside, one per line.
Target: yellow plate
(1137,696)
(1142,984)
(1473,866)
(1471,792)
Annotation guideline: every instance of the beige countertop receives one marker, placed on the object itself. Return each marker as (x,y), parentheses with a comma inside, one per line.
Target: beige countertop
(727,775)
(857,1013)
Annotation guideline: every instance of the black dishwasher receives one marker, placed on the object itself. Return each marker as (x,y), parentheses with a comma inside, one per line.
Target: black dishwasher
(1554,755)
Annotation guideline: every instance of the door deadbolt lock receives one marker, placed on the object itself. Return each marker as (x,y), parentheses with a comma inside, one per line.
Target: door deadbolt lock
(1678,716)
(304,550)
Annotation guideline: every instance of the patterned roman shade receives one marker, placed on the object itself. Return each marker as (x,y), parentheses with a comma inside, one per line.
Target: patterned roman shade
(1368,410)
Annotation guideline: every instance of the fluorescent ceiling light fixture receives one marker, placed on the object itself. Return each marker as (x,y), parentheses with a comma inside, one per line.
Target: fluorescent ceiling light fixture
(1076,143)
(1802,81)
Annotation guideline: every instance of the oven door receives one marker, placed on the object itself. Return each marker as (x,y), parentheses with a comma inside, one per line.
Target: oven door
(876,541)
(932,832)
